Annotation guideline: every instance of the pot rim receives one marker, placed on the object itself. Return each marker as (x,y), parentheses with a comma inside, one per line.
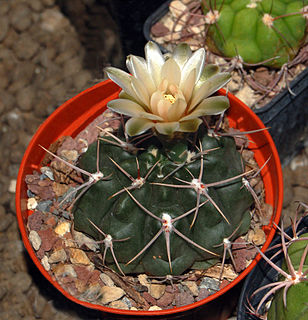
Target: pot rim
(98,96)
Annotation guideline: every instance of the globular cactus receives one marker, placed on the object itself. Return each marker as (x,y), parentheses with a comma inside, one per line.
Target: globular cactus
(288,294)
(118,206)
(259,31)
(291,302)
(164,205)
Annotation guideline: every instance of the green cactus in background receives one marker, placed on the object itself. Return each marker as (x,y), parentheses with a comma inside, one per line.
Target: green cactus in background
(291,303)
(259,31)
(166,200)
(290,291)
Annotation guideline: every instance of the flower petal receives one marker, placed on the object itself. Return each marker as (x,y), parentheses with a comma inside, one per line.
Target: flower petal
(122,79)
(135,126)
(126,107)
(188,88)
(138,67)
(141,92)
(196,61)
(124,95)
(163,107)
(131,109)
(181,54)
(167,128)
(210,86)
(150,116)
(176,110)
(209,70)
(156,97)
(209,106)
(190,125)
(155,61)
(171,71)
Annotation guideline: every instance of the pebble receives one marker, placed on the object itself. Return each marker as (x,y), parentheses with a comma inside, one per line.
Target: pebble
(165,300)
(106,280)
(25,98)
(157,290)
(35,240)
(81,239)
(177,8)
(36,5)
(3,292)
(52,21)
(65,270)
(35,221)
(210,284)
(92,293)
(44,206)
(154,308)
(5,222)
(22,281)
(120,304)
(256,236)
(183,298)
(110,294)
(4,27)
(25,47)
(45,263)
(48,238)
(192,286)
(57,256)
(62,228)
(12,186)
(21,18)
(143,279)
(78,256)
(203,293)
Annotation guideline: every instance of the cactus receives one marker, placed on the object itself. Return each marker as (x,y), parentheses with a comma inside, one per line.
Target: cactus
(161,202)
(259,31)
(291,290)
(291,303)
(133,207)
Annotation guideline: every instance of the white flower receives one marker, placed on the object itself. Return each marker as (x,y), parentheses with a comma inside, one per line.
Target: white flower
(168,94)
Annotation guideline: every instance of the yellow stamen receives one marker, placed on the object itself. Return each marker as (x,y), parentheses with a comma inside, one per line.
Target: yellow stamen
(170,98)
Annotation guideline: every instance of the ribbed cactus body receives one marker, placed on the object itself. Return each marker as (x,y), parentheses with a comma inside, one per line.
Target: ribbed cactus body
(122,218)
(297,307)
(246,28)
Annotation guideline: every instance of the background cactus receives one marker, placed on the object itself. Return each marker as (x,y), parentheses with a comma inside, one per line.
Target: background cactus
(285,276)
(256,30)
(296,306)
(222,208)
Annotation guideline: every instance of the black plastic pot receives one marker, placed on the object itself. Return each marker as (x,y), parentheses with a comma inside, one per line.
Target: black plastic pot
(130,16)
(261,275)
(286,115)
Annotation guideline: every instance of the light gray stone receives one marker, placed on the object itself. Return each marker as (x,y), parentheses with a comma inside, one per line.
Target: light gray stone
(110,294)
(35,240)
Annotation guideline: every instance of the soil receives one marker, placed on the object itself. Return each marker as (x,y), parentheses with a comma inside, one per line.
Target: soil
(43,62)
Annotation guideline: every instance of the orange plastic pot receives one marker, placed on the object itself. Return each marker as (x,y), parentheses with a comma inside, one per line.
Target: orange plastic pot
(74,115)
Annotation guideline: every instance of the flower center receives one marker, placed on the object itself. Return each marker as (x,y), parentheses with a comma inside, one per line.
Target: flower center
(170,98)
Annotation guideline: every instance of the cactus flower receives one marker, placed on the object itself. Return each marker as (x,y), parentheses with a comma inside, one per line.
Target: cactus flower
(168,93)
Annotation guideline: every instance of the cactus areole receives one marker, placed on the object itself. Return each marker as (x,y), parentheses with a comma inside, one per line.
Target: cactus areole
(259,31)
(164,193)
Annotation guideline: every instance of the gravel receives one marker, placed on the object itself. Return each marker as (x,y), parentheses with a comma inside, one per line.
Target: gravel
(44,61)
